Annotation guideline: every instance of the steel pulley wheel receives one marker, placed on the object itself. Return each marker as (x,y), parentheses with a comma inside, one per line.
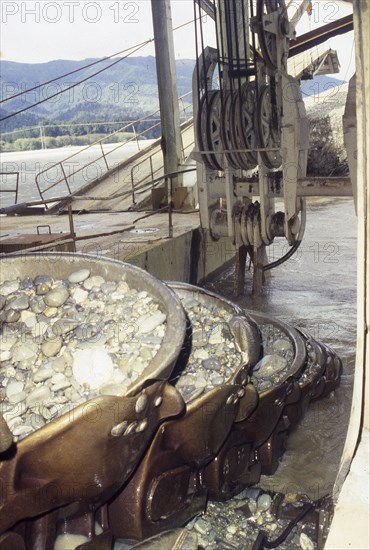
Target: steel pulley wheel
(267,132)
(244,129)
(268,41)
(214,130)
(228,130)
(203,131)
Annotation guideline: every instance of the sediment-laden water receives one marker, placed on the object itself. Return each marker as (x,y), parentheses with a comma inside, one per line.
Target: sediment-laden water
(315,291)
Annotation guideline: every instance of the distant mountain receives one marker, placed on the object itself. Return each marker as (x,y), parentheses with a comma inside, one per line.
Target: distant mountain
(126,89)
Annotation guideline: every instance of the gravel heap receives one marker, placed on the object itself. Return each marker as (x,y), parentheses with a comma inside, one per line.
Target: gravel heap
(278,355)
(214,356)
(66,341)
(236,524)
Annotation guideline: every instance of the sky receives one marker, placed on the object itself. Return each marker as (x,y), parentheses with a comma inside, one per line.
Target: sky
(39,31)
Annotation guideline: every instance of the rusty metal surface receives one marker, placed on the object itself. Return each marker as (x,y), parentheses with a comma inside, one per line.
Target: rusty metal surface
(22,242)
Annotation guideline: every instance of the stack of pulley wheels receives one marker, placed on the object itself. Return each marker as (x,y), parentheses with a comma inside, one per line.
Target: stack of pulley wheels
(227,122)
(210,443)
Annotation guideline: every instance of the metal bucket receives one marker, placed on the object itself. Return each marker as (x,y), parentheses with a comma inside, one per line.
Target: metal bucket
(256,442)
(73,464)
(168,488)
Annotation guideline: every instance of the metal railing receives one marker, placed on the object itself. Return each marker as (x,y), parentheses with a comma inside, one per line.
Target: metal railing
(66,178)
(12,190)
(168,185)
(152,171)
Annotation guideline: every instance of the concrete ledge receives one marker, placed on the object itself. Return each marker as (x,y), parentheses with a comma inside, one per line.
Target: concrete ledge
(350,528)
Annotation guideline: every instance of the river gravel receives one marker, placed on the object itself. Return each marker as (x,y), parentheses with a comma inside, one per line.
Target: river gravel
(64,342)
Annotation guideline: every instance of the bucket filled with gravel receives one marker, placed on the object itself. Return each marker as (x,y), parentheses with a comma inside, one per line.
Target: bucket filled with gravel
(168,487)
(87,345)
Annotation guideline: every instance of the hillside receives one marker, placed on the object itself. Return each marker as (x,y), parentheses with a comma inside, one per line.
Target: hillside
(125,90)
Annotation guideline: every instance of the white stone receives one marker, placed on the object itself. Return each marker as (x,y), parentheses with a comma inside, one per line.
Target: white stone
(201,354)
(13,388)
(97,280)
(148,324)
(62,385)
(305,542)
(269,365)
(264,502)
(14,412)
(8,287)
(43,374)
(7,342)
(50,348)
(80,295)
(5,355)
(22,352)
(22,429)
(215,336)
(56,297)
(92,367)
(16,398)
(40,395)
(79,276)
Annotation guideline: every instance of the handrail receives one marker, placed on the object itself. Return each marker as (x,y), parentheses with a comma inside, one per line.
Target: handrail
(15,190)
(168,179)
(65,178)
(134,168)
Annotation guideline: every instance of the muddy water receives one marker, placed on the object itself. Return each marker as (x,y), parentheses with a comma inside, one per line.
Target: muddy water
(315,290)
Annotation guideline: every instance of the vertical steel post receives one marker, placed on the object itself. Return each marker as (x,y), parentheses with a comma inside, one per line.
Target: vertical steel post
(167,87)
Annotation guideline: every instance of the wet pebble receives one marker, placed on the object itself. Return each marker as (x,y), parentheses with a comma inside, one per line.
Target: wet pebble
(57,296)
(148,324)
(37,304)
(38,395)
(79,276)
(23,351)
(14,388)
(40,279)
(305,542)
(43,374)
(264,502)
(282,344)
(9,287)
(43,288)
(269,365)
(19,303)
(50,348)
(11,316)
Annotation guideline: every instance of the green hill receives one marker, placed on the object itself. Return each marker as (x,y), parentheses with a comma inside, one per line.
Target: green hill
(123,92)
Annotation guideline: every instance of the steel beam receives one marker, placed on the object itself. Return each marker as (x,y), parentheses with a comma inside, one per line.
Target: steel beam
(320,35)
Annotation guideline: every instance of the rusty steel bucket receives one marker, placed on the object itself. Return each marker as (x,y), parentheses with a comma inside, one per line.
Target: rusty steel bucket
(75,463)
(264,428)
(168,488)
